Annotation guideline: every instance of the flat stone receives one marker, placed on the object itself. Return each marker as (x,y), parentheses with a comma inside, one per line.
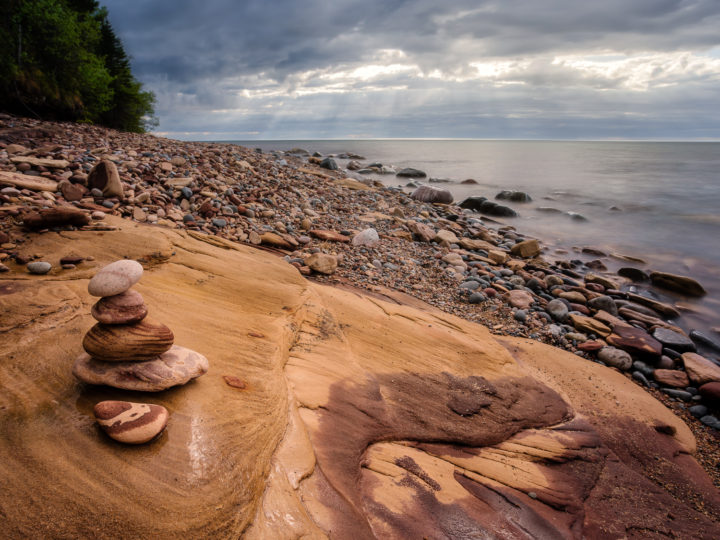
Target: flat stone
(634,339)
(41,162)
(329,236)
(115,278)
(674,282)
(474,244)
(128,342)
(661,307)
(131,423)
(56,217)
(123,308)
(409,172)
(589,325)
(445,236)
(275,240)
(39,267)
(675,340)
(672,378)
(615,358)
(172,368)
(700,369)
(420,231)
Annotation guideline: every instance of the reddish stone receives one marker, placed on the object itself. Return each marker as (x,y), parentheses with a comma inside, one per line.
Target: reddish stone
(711,393)
(580,308)
(590,346)
(635,340)
(672,378)
(56,217)
(331,236)
(235,382)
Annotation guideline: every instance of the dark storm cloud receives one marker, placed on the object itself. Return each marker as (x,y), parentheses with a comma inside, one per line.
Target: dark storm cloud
(285,67)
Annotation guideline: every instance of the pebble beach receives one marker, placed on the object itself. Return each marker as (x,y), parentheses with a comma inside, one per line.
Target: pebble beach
(340,228)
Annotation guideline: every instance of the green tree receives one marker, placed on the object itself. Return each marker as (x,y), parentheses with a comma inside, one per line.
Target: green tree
(61,59)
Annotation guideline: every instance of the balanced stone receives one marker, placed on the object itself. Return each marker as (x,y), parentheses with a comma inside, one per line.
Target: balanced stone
(123,308)
(174,367)
(115,278)
(128,342)
(131,423)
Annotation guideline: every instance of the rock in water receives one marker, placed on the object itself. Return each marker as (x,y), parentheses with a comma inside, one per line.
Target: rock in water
(682,284)
(131,423)
(514,196)
(128,342)
(172,368)
(115,278)
(432,195)
(409,172)
(104,176)
(123,308)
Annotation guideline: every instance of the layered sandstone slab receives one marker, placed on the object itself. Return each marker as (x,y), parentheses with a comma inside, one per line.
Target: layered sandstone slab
(356,416)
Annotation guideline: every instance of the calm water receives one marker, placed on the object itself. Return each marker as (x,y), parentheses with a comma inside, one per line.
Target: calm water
(656,200)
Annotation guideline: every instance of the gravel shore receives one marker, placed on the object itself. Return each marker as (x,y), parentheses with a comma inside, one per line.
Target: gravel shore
(341,229)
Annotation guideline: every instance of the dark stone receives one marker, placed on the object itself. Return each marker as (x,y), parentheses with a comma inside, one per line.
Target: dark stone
(674,340)
(329,163)
(514,196)
(633,273)
(409,172)
(706,341)
(634,340)
(698,410)
(56,217)
(678,394)
(710,393)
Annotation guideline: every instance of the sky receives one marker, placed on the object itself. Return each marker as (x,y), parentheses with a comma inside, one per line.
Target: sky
(506,69)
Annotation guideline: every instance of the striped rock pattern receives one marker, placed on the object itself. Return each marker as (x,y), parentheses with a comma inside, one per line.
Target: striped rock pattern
(131,423)
(175,367)
(128,342)
(123,308)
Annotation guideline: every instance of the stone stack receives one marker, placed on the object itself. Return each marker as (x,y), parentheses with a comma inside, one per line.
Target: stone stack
(127,350)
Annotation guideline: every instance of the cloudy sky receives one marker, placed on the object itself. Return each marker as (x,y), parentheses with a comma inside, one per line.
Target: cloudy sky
(526,69)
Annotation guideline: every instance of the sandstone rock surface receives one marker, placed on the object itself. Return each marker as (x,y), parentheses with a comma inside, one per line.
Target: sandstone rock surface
(361,417)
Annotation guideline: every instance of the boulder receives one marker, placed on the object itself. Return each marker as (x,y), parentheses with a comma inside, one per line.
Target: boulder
(322,263)
(514,196)
(526,249)
(104,176)
(700,369)
(409,172)
(61,216)
(432,194)
(674,282)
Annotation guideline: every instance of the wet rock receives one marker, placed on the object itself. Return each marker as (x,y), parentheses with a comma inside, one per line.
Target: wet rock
(681,284)
(484,206)
(633,274)
(675,340)
(115,278)
(174,367)
(605,303)
(514,196)
(131,423)
(634,340)
(706,341)
(700,369)
(123,308)
(615,357)
(409,172)
(104,176)
(432,194)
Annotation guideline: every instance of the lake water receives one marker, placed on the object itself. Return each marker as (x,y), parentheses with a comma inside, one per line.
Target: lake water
(659,201)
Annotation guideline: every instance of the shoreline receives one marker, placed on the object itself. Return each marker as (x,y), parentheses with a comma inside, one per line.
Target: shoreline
(301,209)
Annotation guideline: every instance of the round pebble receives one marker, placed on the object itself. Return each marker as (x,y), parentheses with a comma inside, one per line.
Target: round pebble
(115,278)
(131,423)
(39,267)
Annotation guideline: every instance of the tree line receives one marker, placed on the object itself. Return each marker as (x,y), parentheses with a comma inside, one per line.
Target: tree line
(61,60)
